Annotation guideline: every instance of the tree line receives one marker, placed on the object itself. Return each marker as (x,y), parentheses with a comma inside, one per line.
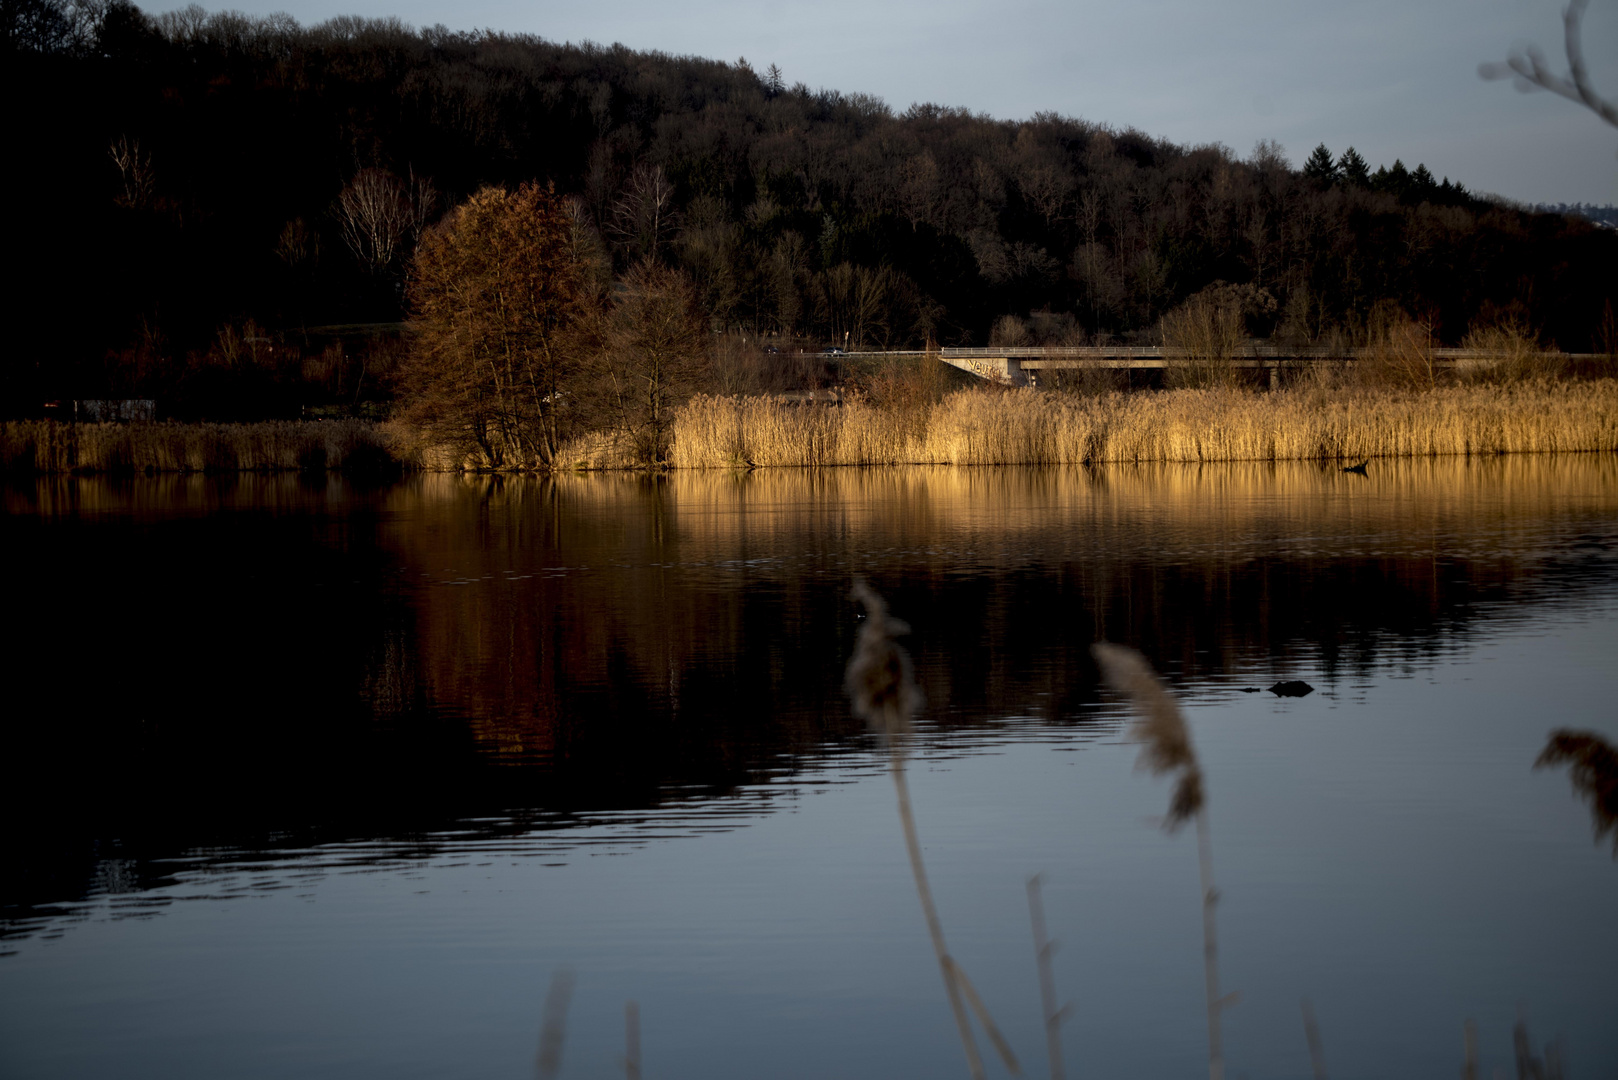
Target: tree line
(202,202)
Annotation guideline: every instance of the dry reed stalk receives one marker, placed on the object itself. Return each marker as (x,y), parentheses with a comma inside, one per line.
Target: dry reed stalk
(882,686)
(1044,949)
(1311,1034)
(548,1063)
(1166,748)
(631,1041)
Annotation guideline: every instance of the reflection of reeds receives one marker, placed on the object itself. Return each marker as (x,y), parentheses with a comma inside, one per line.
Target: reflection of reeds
(1594,772)
(882,686)
(1167,749)
(549,1061)
(977,427)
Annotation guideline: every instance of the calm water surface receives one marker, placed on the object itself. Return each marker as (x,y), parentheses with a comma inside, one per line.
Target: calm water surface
(329,781)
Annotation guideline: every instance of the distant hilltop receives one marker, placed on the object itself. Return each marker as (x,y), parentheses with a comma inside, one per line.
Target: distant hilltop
(1605,215)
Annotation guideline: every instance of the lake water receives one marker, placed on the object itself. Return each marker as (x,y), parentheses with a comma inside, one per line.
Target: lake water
(305,779)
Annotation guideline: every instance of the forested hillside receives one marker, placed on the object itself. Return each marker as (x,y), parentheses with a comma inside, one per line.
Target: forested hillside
(217,183)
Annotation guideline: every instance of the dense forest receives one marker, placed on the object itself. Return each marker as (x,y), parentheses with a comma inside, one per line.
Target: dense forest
(211,208)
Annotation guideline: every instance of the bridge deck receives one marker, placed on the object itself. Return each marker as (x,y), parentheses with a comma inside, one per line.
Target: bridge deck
(1013,364)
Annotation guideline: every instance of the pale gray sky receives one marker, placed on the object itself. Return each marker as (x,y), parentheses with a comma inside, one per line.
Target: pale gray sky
(1394,78)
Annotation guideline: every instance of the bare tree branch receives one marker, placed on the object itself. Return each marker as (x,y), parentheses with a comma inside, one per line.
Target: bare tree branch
(1528,67)
(382,216)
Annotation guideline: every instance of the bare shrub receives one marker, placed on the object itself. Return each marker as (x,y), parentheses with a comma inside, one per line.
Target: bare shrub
(1513,353)
(1010,331)
(1204,335)
(653,350)
(1398,353)
(744,365)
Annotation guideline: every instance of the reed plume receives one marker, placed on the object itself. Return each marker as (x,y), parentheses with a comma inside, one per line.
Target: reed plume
(1594,772)
(1159,728)
(881,684)
(1166,748)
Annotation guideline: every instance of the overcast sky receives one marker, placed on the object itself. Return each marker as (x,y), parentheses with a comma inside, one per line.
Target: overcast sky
(1393,78)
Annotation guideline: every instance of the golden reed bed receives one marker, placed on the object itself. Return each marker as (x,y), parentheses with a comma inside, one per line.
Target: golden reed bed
(1024,427)
(968,427)
(272,446)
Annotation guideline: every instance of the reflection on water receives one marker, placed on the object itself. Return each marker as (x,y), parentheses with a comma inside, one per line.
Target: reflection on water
(317,662)
(249,685)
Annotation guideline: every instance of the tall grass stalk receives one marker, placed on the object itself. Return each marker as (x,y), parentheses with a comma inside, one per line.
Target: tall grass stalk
(631,1041)
(882,686)
(1166,748)
(1044,949)
(1311,1034)
(1022,427)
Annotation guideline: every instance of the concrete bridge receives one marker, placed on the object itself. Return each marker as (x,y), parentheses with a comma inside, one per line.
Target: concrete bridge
(1021,365)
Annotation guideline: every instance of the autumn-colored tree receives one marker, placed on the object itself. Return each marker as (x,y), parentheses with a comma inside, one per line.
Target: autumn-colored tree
(496,294)
(653,348)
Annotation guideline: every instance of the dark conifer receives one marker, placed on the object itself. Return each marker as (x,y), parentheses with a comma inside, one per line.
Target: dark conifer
(1320,166)
(1353,169)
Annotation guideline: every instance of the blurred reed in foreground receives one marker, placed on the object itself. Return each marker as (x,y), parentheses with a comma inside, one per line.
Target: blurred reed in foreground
(46,446)
(882,686)
(995,427)
(1593,768)
(1166,748)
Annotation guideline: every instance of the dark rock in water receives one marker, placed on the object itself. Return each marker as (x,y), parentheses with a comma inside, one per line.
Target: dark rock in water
(1292,688)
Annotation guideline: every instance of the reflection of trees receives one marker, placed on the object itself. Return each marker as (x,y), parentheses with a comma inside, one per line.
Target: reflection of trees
(697,621)
(311,662)
(1593,768)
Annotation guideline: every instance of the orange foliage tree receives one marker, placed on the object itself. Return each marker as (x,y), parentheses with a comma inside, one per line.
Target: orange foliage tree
(496,294)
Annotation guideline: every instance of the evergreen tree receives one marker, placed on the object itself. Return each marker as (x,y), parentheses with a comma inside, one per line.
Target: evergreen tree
(774,83)
(1422,180)
(1355,172)
(1395,181)
(1320,166)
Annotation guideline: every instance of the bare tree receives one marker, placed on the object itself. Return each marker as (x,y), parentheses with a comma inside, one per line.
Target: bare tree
(1530,71)
(383,216)
(852,302)
(652,349)
(135,170)
(643,217)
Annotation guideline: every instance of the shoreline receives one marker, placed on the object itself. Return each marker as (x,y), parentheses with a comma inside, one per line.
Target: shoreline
(967,427)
